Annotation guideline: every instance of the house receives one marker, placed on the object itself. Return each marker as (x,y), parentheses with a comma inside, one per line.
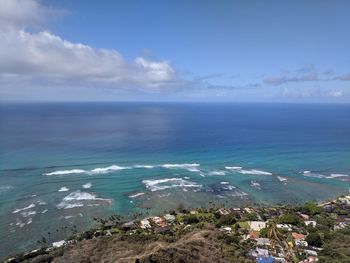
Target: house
(268,259)
(341,225)
(263,241)
(223,211)
(169,218)
(345,200)
(193,212)
(248,210)
(328,208)
(259,252)
(310,259)
(304,216)
(253,234)
(311,222)
(310,252)
(301,243)
(144,224)
(298,236)
(226,229)
(159,221)
(59,243)
(285,226)
(257,225)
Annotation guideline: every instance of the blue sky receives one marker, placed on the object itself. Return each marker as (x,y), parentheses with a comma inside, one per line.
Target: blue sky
(283,51)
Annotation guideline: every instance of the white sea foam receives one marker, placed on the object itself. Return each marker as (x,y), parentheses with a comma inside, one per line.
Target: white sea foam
(224,183)
(5,188)
(108,169)
(145,166)
(282,179)
(233,167)
(167,183)
(20,223)
(75,199)
(65,205)
(136,195)
(239,169)
(65,172)
(63,189)
(312,174)
(254,171)
(337,175)
(44,211)
(255,184)
(191,167)
(318,175)
(28,213)
(78,195)
(87,185)
(228,187)
(217,173)
(24,208)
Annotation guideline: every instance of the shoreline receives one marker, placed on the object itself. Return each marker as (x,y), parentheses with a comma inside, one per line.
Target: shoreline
(173,222)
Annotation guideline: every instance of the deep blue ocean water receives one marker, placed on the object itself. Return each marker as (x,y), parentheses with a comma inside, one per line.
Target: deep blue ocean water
(62,163)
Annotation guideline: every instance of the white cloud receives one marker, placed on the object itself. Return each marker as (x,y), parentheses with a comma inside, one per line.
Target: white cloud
(43,58)
(336,93)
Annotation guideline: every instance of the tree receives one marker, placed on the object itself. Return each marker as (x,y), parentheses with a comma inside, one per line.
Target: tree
(276,238)
(311,209)
(229,219)
(314,239)
(290,219)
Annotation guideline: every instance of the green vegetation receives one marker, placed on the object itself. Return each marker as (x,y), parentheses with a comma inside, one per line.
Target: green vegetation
(336,247)
(215,234)
(292,219)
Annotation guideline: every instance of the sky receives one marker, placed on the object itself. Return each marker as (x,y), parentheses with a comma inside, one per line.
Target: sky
(241,51)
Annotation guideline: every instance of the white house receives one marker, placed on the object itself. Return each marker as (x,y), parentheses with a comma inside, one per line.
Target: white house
(257,225)
(312,223)
(145,224)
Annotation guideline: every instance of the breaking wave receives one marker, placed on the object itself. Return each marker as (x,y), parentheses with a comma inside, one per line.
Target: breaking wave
(217,173)
(65,172)
(87,185)
(240,170)
(24,208)
(145,166)
(192,167)
(136,195)
(255,184)
(282,179)
(78,198)
(323,176)
(337,176)
(167,183)
(63,189)
(108,169)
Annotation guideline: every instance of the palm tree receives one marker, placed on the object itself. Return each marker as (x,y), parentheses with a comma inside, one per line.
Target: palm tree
(276,238)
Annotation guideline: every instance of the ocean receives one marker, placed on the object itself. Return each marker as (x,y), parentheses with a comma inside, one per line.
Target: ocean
(63,163)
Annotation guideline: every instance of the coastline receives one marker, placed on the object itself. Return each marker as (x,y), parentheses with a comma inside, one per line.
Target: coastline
(245,223)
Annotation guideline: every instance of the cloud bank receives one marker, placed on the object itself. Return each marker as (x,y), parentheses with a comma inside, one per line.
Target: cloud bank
(37,64)
(42,58)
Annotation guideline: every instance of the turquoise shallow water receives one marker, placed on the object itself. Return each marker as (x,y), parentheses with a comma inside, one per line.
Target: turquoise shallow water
(61,164)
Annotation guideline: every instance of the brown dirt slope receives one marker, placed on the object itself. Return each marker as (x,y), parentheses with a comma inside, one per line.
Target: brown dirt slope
(200,246)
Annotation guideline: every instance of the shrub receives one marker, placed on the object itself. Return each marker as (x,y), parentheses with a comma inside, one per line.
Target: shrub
(290,219)
(314,239)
